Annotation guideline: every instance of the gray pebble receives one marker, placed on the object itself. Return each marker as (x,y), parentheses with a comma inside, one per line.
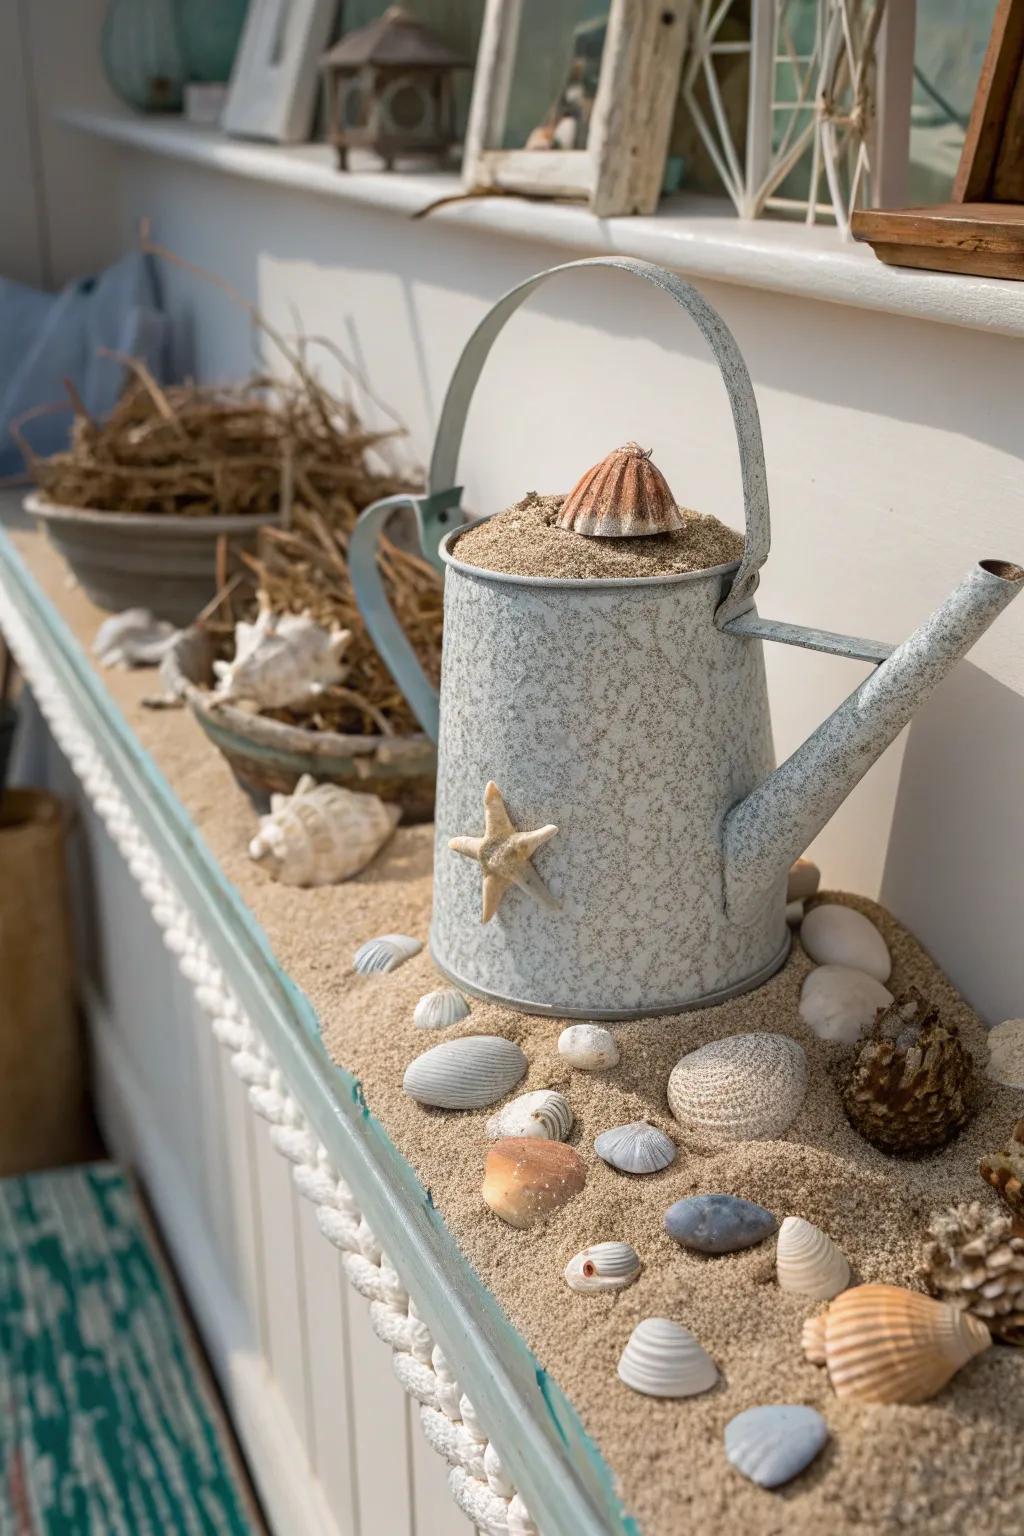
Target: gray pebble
(718,1223)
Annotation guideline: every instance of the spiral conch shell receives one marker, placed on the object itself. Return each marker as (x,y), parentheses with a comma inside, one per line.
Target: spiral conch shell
(742,1088)
(883,1344)
(321,833)
(280,660)
(807,1261)
(624,496)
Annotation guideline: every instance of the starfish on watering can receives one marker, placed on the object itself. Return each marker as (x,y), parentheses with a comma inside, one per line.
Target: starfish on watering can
(504,855)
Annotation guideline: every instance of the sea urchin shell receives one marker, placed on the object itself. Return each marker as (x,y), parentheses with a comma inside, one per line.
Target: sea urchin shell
(625,496)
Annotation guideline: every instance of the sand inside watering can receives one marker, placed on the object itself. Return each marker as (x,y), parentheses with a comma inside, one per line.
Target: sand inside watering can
(524,541)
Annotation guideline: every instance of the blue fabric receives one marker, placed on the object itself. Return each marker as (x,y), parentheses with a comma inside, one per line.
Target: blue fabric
(46,338)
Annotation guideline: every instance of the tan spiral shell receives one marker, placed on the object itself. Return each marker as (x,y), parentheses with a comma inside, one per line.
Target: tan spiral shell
(625,496)
(884,1344)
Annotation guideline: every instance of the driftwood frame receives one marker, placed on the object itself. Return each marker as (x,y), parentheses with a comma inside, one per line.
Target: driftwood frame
(622,168)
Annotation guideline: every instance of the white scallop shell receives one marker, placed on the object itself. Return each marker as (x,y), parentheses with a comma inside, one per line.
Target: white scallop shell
(439,1010)
(280,660)
(385,953)
(321,833)
(588,1047)
(663,1359)
(544,1113)
(603,1267)
(742,1088)
(465,1074)
(808,1263)
(839,1003)
(836,935)
(635,1148)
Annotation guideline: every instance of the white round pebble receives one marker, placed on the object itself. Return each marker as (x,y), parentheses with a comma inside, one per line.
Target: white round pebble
(834,935)
(839,1003)
(589,1047)
(1006,1053)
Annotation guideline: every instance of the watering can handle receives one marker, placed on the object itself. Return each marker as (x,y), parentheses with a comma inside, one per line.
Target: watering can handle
(436,512)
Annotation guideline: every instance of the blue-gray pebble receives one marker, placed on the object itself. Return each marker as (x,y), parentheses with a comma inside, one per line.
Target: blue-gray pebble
(774,1444)
(718,1223)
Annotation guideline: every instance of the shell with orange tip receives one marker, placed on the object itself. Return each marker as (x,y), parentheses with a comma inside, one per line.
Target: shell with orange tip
(884,1344)
(623,497)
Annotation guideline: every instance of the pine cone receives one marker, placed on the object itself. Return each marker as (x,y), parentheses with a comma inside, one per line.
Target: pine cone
(1005,1170)
(910,1085)
(976,1262)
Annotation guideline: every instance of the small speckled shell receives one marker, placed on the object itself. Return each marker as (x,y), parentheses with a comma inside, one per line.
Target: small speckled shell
(544,1113)
(663,1359)
(589,1047)
(469,1073)
(385,953)
(742,1088)
(441,1009)
(807,1261)
(635,1148)
(603,1267)
(624,496)
(526,1179)
(883,1344)
(321,834)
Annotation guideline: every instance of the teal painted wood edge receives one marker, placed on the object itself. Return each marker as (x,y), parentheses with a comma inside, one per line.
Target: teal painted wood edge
(556,1466)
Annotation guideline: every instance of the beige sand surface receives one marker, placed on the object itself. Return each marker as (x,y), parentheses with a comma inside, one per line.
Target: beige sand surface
(951,1466)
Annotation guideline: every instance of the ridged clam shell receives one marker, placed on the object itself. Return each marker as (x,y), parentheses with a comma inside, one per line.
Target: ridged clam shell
(321,833)
(385,953)
(773,1444)
(589,1047)
(280,660)
(807,1261)
(839,1003)
(465,1074)
(883,1344)
(742,1088)
(663,1359)
(635,1148)
(836,935)
(441,1009)
(525,1179)
(622,497)
(544,1113)
(603,1267)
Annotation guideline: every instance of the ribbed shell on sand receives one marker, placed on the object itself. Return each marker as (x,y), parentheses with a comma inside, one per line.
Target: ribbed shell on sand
(469,1073)
(742,1088)
(807,1261)
(625,496)
(663,1359)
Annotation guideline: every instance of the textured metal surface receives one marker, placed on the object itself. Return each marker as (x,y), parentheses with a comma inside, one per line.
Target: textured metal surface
(850,646)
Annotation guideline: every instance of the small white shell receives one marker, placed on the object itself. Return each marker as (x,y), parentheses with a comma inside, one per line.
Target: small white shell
(321,834)
(385,953)
(280,660)
(603,1267)
(742,1088)
(1006,1053)
(588,1047)
(465,1074)
(839,1003)
(635,1148)
(808,1263)
(836,935)
(439,1010)
(133,638)
(663,1359)
(544,1113)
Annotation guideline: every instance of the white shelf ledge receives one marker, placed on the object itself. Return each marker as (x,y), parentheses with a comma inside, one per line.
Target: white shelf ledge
(699,237)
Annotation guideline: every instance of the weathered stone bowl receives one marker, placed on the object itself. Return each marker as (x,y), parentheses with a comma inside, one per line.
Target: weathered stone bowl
(167,564)
(268,756)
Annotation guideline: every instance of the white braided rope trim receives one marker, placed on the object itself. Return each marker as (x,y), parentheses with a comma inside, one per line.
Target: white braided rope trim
(478,1482)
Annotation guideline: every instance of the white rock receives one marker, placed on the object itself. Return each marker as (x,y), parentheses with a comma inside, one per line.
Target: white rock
(1006,1053)
(590,1047)
(839,1003)
(835,935)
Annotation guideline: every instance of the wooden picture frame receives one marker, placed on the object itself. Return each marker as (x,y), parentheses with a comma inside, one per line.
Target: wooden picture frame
(276,75)
(621,169)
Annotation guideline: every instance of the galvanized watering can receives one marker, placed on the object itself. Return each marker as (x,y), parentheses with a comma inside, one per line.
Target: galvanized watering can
(632,716)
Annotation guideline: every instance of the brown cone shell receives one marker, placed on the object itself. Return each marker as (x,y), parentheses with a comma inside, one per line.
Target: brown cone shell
(1005,1171)
(623,497)
(526,1178)
(910,1087)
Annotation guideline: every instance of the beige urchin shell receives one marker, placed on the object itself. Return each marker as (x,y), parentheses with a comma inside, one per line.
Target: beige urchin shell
(807,1261)
(625,496)
(883,1344)
(321,834)
(742,1088)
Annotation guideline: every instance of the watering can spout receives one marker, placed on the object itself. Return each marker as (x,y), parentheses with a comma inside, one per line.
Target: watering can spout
(764,833)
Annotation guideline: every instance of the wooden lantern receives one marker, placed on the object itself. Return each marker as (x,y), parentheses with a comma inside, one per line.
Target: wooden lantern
(389,88)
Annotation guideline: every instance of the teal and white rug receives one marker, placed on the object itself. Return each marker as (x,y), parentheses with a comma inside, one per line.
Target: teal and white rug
(108,1426)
